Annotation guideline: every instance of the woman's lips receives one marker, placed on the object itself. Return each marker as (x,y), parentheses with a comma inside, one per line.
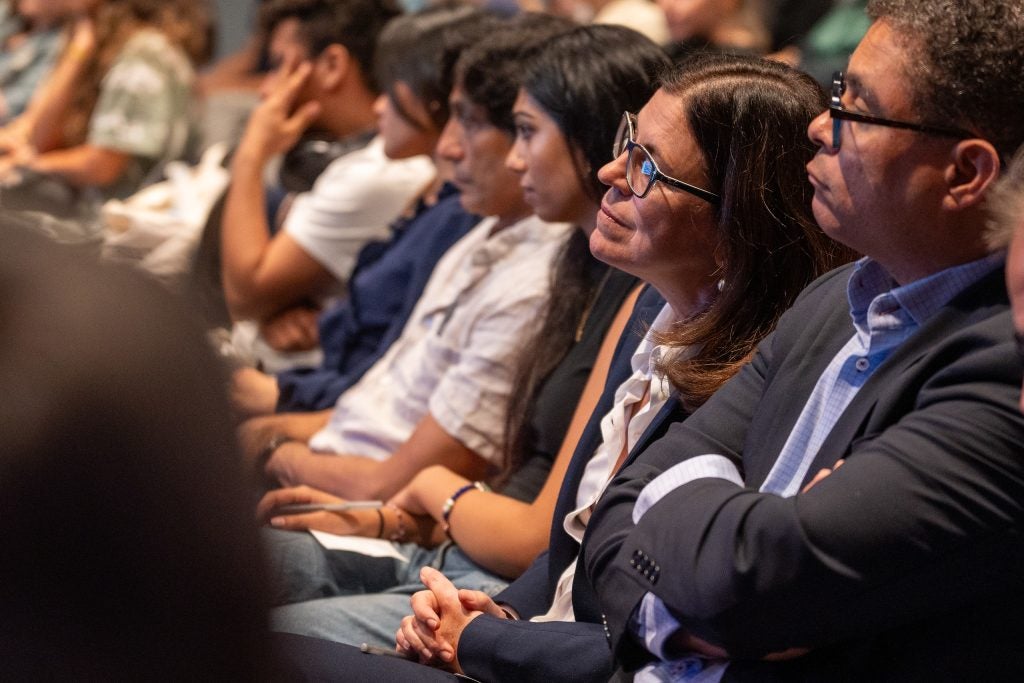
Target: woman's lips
(608,214)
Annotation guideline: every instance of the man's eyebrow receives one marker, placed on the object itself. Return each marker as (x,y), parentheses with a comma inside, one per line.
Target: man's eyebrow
(861,91)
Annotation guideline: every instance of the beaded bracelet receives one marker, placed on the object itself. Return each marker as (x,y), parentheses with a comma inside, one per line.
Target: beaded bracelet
(400,532)
(380,521)
(446,509)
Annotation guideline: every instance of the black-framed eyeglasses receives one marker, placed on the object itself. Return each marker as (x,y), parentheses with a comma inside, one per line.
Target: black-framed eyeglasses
(641,170)
(839,114)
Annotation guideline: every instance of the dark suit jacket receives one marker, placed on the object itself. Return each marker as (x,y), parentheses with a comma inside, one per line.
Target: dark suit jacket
(881,565)
(495,649)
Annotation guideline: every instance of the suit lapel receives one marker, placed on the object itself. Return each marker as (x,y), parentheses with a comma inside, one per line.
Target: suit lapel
(895,377)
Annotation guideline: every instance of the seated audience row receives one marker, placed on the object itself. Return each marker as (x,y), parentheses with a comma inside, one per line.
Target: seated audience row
(721,243)
(893,473)
(765,464)
(501,531)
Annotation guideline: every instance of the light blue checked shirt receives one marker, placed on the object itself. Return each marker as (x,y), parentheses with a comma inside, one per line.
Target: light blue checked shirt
(884,315)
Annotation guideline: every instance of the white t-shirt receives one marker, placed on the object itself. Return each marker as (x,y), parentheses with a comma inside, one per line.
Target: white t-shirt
(455,356)
(352,202)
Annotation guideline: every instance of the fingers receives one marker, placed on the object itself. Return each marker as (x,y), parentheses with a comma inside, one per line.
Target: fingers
(402,643)
(293,495)
(293,330)
(424,608)
(286,93)
(413,636)
(303,522)
(285,82)
(478,601)
(821,475)
(423,628)
(817,478)
(445,592)
(305,115)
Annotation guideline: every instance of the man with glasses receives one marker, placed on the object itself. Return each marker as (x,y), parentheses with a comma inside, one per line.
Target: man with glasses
(736,547)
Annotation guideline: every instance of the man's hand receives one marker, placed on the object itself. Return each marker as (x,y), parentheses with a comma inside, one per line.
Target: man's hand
(352,522)
(820,476)
(257,434)
(439,616)
(294,329)
(253,392)
(408,501)
(273,126)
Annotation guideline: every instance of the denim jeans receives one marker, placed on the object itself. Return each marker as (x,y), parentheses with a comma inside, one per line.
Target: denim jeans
(351,598)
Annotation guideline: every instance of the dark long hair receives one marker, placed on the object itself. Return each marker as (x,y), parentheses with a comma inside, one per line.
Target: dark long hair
(421,49)
(749,117)
(583,79)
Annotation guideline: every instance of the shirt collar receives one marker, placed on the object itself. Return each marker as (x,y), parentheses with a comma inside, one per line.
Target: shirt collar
(920,299)
(649,353)
(528,232)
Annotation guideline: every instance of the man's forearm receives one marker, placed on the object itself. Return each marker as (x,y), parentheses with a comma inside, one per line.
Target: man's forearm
(245,233)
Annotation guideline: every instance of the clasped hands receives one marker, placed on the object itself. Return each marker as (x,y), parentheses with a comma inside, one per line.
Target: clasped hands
(440,614)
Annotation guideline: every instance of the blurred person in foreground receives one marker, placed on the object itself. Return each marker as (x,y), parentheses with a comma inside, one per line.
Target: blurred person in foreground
(129,549)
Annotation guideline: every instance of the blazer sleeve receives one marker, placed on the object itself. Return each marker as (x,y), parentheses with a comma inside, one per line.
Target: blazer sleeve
(719,427)
(924,518)
(494,650)
(528,595)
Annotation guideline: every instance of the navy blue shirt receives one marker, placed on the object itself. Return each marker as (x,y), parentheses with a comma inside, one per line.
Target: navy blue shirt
(388,280)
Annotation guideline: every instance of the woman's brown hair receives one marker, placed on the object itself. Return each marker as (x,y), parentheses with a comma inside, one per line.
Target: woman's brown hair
(749,117)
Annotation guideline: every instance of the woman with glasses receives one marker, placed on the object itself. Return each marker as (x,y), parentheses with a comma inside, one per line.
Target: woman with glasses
(708,202)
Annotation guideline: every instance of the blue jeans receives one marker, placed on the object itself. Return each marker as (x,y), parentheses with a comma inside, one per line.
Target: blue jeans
(351,598)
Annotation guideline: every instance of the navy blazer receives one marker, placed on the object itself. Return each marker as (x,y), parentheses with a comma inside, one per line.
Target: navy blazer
(904,564)
(493,649)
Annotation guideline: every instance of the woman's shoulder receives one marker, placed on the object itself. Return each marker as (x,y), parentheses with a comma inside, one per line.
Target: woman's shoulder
(152,48)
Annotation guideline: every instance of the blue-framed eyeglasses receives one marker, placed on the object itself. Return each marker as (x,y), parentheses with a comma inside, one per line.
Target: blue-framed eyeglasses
(839,114)
(641,170)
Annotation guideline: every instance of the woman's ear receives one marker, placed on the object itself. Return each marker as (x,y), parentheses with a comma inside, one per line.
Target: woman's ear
(973,167)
